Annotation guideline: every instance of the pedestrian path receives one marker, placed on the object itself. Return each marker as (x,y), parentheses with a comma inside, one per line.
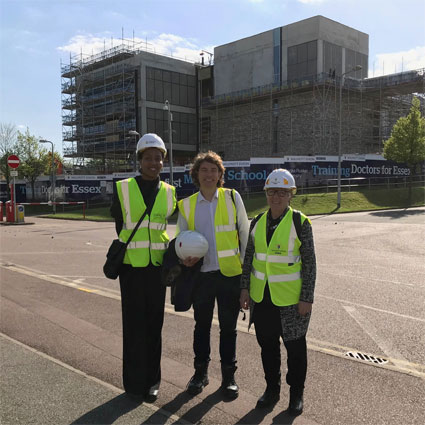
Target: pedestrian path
(37,389)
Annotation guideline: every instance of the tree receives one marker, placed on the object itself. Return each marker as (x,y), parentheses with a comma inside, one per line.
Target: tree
(8,146)
(34,158)
(407,141)
(58,163)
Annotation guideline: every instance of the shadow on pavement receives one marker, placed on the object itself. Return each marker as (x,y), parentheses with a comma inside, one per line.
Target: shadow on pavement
(196,413)
(108,412)
(256,416)
(398,214)
(283,418)
(171,407)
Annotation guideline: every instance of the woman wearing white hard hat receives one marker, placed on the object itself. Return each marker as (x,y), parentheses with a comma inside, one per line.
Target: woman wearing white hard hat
(278,280)
(142,294)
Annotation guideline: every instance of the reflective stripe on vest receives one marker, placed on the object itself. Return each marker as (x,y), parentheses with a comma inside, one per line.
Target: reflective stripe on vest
(278,258)
(279,263)
(150,240)
(226,236)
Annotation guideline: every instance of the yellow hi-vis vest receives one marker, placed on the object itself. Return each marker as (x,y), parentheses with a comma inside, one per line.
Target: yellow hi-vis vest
(226,234)
(151,239)
(272,263)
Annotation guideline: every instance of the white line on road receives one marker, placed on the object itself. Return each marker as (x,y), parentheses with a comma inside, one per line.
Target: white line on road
(370,329)
(368,278)
(405,316)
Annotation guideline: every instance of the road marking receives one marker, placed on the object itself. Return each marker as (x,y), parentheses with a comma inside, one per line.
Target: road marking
(110,387)
(370,329)
(399,365)
(405,316)
(376,266)
(87,290)
(369,278)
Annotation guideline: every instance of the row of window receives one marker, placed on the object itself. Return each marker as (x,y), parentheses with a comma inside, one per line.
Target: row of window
(179,89)
(184,125)
(302,60)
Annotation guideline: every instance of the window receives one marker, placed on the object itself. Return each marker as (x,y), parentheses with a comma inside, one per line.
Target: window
(184,126)
(332,58)
(178,88)
(302,60)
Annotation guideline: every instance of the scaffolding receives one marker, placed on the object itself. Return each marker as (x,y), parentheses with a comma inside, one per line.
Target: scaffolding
(99,108)
(301,117)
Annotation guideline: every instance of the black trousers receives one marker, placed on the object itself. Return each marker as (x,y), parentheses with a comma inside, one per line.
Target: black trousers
(142,300)
(210,287)
(268,328)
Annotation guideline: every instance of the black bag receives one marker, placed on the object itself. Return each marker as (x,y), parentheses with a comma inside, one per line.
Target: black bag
(114,259)
(116,252)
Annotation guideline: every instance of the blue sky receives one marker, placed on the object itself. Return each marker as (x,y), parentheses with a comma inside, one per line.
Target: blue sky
(37,34)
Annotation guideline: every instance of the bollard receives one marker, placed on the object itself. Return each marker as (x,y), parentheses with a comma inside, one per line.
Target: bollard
(1,211)
(20,215)
(10,216)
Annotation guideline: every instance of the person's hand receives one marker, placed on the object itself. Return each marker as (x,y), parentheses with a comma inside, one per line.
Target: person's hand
(190,261)
(304,308)
(244,299)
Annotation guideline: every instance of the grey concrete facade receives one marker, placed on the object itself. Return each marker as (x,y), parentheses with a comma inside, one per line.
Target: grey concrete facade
(250,62)
(244,63)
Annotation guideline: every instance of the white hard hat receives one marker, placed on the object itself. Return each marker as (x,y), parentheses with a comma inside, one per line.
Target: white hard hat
(191,244)
(281,179)
(151,140)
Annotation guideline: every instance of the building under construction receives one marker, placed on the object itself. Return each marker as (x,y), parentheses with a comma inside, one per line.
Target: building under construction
(110,98)
(302,117)
(294,90)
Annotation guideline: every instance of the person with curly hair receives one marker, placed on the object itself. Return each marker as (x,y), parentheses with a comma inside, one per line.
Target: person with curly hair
(219,215)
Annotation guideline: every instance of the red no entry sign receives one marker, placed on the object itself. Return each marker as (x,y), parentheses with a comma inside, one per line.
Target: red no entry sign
(13,161)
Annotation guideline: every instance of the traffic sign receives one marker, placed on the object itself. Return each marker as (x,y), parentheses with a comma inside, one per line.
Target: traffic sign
(13,161)
(13,173)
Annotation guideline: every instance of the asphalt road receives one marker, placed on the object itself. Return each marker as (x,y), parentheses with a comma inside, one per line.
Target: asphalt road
(369,300)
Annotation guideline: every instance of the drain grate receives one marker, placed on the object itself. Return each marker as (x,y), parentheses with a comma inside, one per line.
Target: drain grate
(366,357)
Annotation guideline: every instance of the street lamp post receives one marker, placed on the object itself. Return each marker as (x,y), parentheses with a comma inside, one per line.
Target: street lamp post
(356,68)
(167,107)
(137,135)
(53,175)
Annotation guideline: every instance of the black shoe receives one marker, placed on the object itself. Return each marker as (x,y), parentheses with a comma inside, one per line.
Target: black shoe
(199,380)
(197,384)
(230,391)
(152,394)
(296,403)
(268,399)
(229,388)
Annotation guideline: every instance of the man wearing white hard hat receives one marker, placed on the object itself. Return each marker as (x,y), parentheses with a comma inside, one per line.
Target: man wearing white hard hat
(278,280)
(219,215)
(142,294)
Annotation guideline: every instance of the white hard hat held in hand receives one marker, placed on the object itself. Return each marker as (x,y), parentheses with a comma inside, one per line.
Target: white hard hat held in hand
(151,140)
(281,179)
(191,244)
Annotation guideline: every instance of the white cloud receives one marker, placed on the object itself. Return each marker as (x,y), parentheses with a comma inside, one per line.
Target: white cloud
(164,44)
(87,45)
(389,63)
